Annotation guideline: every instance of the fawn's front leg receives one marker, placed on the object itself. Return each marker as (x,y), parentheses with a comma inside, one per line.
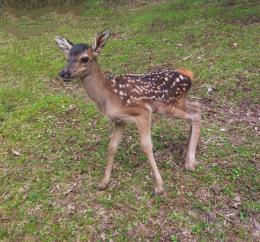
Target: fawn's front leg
(143,123)
(112,149)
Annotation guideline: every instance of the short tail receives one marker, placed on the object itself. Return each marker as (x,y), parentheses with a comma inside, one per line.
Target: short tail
(186,72)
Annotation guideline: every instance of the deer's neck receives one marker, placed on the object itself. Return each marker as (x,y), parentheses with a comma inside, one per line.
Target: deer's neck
(94,84)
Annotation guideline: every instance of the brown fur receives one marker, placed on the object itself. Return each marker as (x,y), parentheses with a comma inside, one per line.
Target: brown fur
(186,72)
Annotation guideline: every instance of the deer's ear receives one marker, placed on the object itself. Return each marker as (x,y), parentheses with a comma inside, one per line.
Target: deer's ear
(64,45)
(100,41)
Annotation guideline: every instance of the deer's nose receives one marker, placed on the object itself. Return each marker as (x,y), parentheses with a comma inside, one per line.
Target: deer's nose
(65,75)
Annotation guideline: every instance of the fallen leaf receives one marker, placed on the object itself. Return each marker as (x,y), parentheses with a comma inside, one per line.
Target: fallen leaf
(15,152)
(186,58)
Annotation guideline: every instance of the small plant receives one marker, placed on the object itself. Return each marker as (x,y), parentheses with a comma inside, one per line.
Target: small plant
(235,173)
(174,238)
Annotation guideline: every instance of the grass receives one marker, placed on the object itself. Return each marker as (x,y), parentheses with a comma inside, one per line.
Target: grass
(54,142)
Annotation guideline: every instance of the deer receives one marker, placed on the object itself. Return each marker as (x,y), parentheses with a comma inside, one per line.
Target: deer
(133,98)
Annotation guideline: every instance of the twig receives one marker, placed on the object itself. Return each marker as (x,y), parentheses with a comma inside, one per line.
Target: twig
(212,111)
(226,218)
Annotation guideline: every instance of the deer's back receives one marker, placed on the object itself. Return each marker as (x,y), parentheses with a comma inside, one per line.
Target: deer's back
(166,86)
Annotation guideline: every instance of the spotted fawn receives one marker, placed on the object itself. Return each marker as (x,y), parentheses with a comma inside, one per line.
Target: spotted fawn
(133,98)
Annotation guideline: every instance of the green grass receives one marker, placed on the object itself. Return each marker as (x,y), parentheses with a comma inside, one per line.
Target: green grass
(54,142)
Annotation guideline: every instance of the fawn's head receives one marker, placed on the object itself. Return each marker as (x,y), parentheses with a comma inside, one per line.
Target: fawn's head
(80,57)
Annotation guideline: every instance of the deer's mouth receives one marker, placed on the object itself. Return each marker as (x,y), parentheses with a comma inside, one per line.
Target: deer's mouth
(65,76)
(66,79)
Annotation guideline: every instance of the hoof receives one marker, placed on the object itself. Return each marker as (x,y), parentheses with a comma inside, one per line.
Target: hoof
(158,191)
(190,166)
(103,185)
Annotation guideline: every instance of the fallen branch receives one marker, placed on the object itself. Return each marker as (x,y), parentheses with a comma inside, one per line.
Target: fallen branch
(226,218)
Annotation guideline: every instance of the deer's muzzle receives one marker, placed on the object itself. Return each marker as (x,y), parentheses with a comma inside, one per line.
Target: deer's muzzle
(65,75)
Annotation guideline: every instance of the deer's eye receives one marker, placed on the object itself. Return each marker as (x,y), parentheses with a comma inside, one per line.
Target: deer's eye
(84,60)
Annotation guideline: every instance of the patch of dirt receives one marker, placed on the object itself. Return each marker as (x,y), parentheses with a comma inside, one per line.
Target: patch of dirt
(248,20)
(37,9)
(181,6)
(245,113)
(66,196)
(104,216)
(157,25)
(149,229)
(115,4)
(190,38)
(119,36)
(73,88)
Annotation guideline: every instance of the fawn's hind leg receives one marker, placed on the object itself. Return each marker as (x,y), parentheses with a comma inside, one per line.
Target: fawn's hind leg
(112,149)
(194,109)
(190,112)
(192,106)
